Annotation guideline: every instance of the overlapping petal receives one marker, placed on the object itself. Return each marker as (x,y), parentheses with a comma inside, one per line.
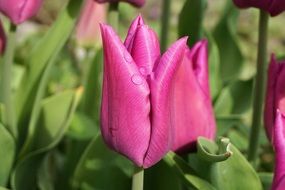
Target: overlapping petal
(20,10)
(192,108)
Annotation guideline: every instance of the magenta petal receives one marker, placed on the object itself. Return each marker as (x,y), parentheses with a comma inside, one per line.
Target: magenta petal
(20,10)
(277,6)
(199,58)
(160,84)
(132,31)
(145,49)
(192,107)
(279,147)
(280,185)
(2,39)
(125,111)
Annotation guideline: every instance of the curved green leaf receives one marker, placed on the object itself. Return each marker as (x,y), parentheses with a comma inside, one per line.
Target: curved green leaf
(7,152)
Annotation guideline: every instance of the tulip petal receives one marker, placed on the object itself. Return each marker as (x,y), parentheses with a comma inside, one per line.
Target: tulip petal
(2,39)
(192,107)
(280,185)
(125,110)
(279,144)
(199,57)
(276,7)
(132,31)
(160,84)
(145,49)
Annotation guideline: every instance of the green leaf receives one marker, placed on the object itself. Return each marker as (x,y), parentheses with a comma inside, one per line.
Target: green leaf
(55,116)
(224,103)
(266,179)
(44,179)
(7,152)
(186,173)
(229,122)
(2,113)
(110,170)
(235,174)
(161,177)
(40,61)
(209,151)
(191,20)
(226,38)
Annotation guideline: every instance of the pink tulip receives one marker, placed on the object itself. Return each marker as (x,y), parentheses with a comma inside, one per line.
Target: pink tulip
(279,147)
(2,39)
(275,97)
(274,7)
(137,3)
(88,30)
(137,99)
(193,114)
(19,10)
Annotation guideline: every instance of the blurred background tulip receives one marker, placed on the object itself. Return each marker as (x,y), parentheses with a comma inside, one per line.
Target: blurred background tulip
(275,97)
(137,3)
(19,11)
(279,147)
(136,102)
(193,113)
(88,29)
(274,7)
(2,38)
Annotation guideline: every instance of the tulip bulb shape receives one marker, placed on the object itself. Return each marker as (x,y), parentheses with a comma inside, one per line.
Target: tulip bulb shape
(153,103)
(274,7)
(275,94)
(137,101)
(279,147)
(20,10)
(137,3)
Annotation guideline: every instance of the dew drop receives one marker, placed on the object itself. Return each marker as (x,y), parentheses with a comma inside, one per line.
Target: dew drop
(127,57)
(137,79)
(143,70)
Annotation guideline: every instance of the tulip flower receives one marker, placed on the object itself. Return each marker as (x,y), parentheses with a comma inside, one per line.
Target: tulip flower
(137,3)
(88,30)
(279,147)
(274,7)
(193,113)
(275,97)
(2,39)
(19,10)
(137,103)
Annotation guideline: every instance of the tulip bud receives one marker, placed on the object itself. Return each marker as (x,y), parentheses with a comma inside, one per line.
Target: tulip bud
(136,110)
(192,106)
(275,95)
(88,29)
(2,39)
(19,10)
(137,3)
(274,7)
(279,148)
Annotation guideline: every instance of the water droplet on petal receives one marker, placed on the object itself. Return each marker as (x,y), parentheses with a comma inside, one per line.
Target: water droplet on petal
(137,79)
(127,57)
(143,70)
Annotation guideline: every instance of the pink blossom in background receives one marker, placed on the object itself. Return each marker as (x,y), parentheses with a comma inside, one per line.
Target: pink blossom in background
(137,104)
(274,7)
(88,28)
(19,11)
(2,39)
(137,3)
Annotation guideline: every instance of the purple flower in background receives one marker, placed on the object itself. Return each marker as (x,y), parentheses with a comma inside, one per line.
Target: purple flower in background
(137,3)
(2,39)
(192,106)
(274,7)
(20,10)
(137,99)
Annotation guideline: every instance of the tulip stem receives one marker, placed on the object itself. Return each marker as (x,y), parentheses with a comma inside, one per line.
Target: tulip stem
(165,24)
(6,89)
(138,179)
(113,15)
(259,89)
